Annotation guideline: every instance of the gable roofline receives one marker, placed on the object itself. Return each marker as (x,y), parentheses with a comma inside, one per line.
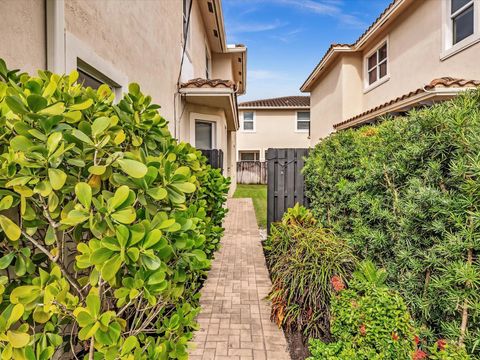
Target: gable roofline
(390,12)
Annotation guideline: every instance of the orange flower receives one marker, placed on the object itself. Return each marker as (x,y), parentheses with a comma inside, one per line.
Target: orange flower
(395,336)
(441,344)
(363,330)
(416,339)
(337,283)
(419,355)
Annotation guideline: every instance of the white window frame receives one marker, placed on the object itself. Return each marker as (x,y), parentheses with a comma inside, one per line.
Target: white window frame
(378,82)
(77,53)
(297,120)
(256,156)
(214,131)
(448,48)
(254,122)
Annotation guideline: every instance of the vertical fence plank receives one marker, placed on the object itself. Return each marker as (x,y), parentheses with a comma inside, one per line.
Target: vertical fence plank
(281,171)
(271,159)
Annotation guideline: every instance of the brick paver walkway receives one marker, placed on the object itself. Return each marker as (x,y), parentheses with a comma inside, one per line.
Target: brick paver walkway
(235,317)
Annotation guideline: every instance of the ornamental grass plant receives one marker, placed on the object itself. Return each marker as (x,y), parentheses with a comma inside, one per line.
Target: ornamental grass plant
(302,258)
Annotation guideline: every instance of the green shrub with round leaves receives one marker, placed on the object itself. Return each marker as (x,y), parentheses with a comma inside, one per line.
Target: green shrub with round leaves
(108,223)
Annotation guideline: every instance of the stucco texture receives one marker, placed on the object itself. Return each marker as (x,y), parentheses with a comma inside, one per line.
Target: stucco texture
(415,57)
(22,26)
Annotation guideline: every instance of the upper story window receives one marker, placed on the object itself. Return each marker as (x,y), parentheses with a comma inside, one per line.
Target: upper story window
(248,121)
(303,121)
(461,27)
(462,17)
(377,63)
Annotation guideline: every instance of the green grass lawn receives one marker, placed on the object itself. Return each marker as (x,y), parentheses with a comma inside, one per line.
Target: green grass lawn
(259,195)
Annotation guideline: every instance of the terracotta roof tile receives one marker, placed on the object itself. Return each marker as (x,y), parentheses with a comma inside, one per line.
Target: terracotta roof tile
(286,101)
(208,83)
(443,82)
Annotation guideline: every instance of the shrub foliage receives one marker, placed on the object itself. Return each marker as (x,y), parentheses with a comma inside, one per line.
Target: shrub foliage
(108,223)
(302,258)
(371,322)
(406,193)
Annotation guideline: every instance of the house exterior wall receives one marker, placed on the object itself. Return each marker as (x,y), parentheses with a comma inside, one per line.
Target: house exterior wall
(274,128)
(135,41)
(28,51)
(326,103)
(222,66)
(415,57)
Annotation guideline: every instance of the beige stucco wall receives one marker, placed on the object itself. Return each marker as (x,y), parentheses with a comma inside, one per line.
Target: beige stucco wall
(273,129)
(128,35)
(415,58)
(22,25)
(415,44)
(222,66)
(133,41)
(326,103)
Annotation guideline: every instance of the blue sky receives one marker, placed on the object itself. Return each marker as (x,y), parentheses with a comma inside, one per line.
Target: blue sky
(287,38)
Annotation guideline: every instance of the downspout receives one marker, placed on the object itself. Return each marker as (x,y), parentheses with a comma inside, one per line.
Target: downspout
(55,26)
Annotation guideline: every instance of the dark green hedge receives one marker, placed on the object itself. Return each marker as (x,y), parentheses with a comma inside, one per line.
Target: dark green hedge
(406,193)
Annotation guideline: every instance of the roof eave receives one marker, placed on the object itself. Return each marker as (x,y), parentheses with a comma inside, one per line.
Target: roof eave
(437,94)
(331,54)
(273,107)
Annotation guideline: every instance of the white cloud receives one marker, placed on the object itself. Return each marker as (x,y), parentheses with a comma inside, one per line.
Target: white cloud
(261,74)
(246,27)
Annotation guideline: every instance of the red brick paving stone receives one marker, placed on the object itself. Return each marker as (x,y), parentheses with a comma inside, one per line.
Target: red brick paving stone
(235,318)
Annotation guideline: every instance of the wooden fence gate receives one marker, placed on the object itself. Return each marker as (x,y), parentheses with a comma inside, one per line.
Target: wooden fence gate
(215,158)
(251,172)
(286,184)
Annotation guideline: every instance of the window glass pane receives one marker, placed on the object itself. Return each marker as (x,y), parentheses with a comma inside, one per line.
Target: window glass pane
(463,25)
(382,53)
(372,76)
(248,115)
(303,125)
(383,69)
(203,135)
(248,125)
(457,4)
(303,115)
(88,80)
(248,156)
(372,61)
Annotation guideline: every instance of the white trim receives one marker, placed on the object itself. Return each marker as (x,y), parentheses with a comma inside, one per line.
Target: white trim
(448,48)
(366,85)
(296,129)
(55,14)
(76,49)
(254,122)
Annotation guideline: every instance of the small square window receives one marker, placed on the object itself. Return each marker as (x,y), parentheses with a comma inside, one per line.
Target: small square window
(377,64)
(303,121)
(249,155)
(248,121)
